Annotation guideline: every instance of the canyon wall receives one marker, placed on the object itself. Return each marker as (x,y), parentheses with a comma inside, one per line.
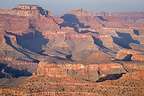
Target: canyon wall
(25,10)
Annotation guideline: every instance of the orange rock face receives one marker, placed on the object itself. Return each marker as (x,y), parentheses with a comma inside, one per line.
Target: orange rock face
(81,71)
(79,54)
(136,55)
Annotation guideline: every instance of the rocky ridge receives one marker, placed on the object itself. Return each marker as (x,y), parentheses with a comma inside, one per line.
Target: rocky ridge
(101,50)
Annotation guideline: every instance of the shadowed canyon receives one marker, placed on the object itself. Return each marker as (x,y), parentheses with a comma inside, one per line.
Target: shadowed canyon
(80,53)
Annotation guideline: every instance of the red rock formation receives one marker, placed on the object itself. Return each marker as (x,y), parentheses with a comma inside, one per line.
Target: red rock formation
(136,55)
(81,71)
(25,10)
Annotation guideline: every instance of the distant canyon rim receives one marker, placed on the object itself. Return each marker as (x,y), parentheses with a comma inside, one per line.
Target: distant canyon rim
(41,53)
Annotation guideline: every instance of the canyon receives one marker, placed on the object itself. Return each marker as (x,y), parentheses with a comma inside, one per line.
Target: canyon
(80,53)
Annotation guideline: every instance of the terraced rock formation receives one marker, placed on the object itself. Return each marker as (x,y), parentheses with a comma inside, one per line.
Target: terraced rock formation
(80,53)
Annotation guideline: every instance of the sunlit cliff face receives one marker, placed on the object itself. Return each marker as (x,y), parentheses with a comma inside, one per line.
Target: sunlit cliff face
(25,10)
(43,54)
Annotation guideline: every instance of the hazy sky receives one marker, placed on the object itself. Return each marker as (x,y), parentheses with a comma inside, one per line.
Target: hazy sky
(58,6)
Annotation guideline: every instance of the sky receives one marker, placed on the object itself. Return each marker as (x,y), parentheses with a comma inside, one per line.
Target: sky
(60,6)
